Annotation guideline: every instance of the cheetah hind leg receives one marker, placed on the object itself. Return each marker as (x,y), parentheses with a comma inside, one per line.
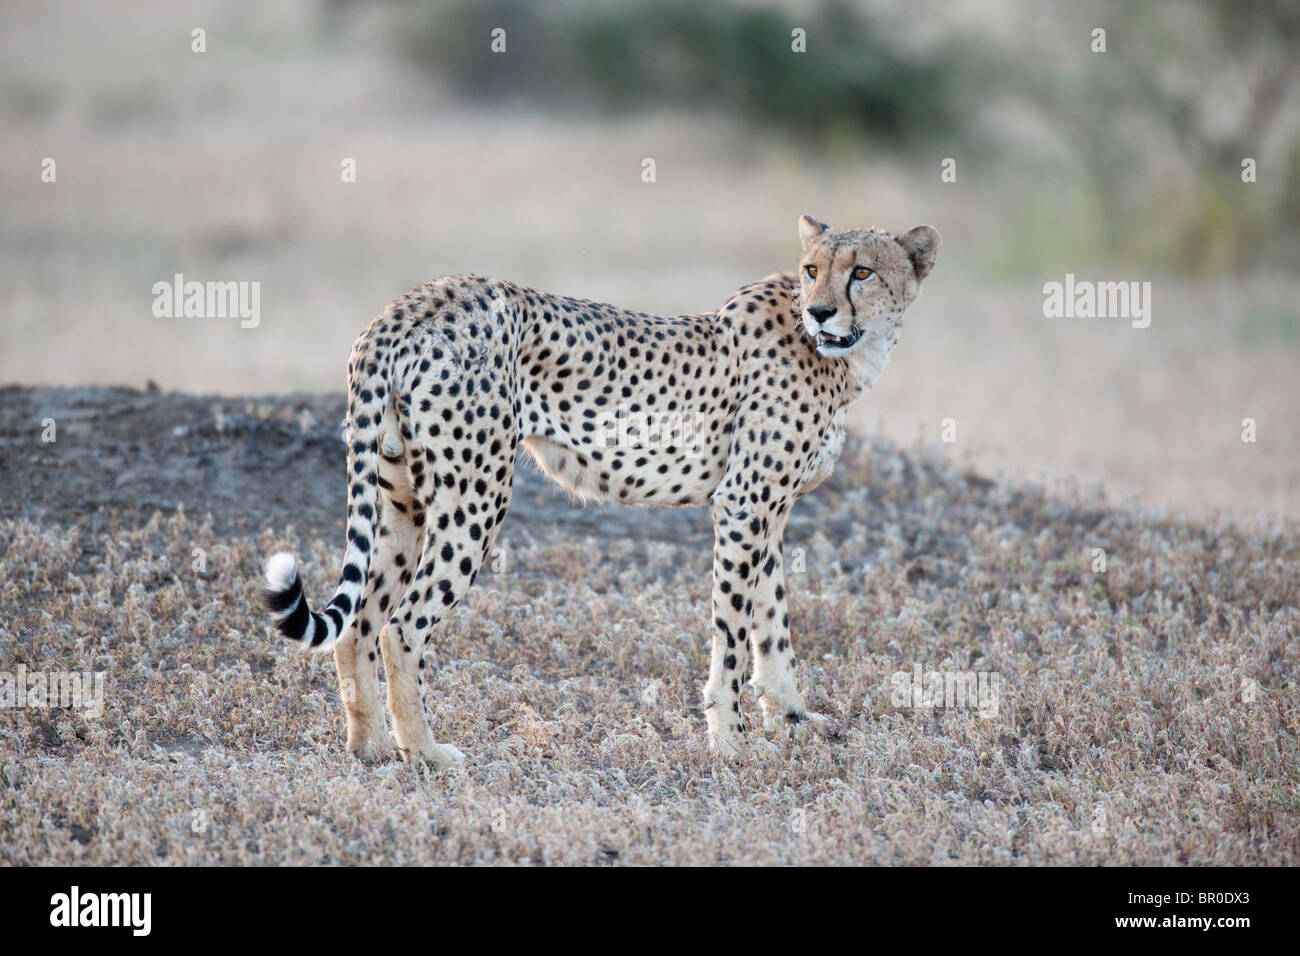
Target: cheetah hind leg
(455,546)
(357,651)
(396,550)
(434,589)
(402,640)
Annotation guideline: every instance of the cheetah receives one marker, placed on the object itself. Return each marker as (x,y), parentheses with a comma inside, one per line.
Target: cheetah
(741,409)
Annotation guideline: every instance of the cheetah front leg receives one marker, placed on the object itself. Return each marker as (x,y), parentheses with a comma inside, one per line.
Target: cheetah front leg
(774,680)
(732,614)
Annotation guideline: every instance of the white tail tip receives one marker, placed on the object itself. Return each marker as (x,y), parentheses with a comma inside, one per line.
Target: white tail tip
(281,570)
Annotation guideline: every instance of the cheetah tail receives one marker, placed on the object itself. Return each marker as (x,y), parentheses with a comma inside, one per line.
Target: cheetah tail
(283,596)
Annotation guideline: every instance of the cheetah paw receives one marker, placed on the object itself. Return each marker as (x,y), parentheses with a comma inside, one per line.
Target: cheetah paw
(730,746)
(809,724)
(439,756)
(725,740)
(373,750)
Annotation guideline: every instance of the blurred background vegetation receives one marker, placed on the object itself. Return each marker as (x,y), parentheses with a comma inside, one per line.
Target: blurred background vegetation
(1147,138)
(527,164)
(727,56)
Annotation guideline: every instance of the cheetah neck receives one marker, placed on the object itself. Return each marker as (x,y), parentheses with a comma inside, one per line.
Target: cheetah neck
(866,364)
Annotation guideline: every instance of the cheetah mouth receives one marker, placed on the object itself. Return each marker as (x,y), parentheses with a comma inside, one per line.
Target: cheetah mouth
(829,340)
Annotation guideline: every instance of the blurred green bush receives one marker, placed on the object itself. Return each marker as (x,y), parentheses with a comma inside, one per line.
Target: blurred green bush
(729,57)
(1128,156)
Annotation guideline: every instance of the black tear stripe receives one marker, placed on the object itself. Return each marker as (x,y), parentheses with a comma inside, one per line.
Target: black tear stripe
(848,294)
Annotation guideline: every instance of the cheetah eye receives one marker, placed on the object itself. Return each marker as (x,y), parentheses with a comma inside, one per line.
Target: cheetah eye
(811,270)
(862,272)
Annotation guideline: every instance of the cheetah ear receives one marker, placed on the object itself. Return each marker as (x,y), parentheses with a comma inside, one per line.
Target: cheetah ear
(921,243)
(810,229)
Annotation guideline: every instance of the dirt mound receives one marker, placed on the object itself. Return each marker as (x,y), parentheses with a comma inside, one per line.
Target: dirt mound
(249,463)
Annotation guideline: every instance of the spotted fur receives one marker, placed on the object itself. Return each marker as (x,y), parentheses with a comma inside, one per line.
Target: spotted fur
(741,409)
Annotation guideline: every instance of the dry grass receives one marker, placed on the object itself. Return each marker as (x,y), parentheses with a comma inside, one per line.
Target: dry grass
(1128,732)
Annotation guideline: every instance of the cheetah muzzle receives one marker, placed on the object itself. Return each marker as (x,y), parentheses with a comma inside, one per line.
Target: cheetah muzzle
(842,342)
(741,409)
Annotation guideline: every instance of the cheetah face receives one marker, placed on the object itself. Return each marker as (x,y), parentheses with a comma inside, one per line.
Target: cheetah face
(857,283)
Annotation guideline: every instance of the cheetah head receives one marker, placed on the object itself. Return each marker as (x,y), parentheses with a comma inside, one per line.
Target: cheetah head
(857,283)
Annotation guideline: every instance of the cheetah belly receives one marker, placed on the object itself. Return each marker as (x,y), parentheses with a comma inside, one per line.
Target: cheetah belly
(629,475)
(564,466)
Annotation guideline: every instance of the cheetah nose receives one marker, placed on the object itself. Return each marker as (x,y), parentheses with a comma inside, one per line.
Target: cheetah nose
(821,312)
